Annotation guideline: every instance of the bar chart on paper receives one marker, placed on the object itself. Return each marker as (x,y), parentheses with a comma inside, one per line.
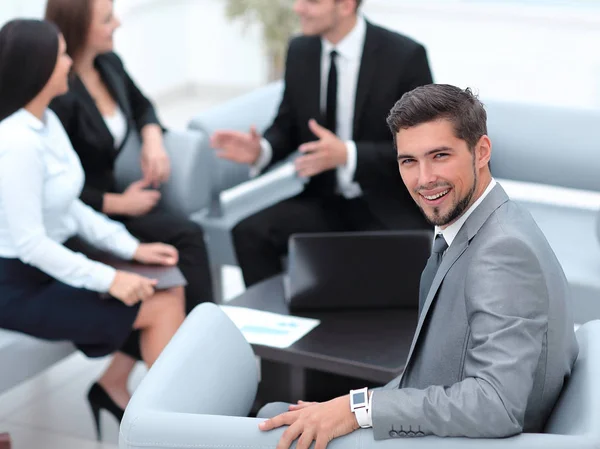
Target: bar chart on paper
(269,329)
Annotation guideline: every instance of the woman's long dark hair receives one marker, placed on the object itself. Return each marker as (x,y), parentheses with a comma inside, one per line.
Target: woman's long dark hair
(28,56)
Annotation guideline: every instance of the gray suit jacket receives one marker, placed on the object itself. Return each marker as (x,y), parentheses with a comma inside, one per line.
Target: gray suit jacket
(495,339)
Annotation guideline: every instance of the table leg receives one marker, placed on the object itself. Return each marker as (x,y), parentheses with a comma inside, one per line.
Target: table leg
(5,441)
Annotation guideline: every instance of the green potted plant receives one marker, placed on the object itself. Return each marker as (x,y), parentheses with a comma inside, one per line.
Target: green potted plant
(279,23)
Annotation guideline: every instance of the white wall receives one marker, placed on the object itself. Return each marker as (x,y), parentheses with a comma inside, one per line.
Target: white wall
(503,49)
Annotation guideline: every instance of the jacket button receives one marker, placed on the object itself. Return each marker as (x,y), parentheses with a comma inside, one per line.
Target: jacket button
(393,434)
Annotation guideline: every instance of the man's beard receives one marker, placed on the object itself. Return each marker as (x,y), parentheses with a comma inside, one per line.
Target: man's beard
(457,210)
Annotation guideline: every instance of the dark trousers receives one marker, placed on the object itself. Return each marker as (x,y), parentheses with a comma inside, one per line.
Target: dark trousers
(261,240)
(188,238)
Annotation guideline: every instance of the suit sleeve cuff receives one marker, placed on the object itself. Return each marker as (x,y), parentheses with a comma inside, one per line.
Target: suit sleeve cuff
(127,247)
(345,173)
(370,410)
(266,154)
(103,277)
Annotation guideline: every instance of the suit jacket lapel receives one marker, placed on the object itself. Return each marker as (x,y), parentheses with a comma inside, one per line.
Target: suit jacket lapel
(491,202)
(88,105)
(114,83)
(368,69)
(312,81)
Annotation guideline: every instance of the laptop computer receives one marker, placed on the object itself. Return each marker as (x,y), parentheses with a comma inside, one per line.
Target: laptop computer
(356,270)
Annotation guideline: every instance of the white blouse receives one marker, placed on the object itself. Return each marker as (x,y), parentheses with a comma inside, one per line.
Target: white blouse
(117,125)
(41,179)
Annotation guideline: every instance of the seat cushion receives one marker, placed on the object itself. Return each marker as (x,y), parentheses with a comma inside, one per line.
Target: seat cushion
(26,356)
(571,233)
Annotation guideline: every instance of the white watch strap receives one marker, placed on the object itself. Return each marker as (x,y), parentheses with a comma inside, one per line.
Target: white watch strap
(362,417)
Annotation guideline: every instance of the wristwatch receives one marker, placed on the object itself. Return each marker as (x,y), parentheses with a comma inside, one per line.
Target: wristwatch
(359,404)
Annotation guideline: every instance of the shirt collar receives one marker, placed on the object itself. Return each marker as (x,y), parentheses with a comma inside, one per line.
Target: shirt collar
(30,120)
(351,46)
(451,231)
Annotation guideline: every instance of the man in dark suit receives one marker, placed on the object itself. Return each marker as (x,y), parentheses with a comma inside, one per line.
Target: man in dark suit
(342,78)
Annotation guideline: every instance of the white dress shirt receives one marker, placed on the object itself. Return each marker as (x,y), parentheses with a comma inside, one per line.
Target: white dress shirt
(41,179)
(451,231)
(350,50)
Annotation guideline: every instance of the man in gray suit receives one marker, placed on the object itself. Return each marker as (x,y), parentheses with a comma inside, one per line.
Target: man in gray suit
(495,339)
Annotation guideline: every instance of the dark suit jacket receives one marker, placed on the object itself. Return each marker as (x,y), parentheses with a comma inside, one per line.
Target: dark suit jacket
(391,65)
(86,128)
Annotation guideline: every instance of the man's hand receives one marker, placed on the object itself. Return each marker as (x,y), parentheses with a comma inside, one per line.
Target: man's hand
(327,153)
(131,288)
(156,166)
(138,199)
(319,422)
(156,254)
(236,146)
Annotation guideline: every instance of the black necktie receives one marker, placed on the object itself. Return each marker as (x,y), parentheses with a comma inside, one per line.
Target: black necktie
(439,246)
(331,107)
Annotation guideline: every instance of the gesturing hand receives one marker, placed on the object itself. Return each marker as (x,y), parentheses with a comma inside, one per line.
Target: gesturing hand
(327,153)
(236,146)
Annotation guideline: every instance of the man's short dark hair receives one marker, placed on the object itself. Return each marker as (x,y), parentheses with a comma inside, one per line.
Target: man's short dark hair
(441,101)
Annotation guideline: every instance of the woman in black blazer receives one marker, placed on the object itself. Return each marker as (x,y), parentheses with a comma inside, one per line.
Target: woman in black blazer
(101,108)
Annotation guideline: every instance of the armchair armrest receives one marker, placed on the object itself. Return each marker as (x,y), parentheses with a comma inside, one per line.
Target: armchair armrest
(207,367)
(188,188)
(242,201)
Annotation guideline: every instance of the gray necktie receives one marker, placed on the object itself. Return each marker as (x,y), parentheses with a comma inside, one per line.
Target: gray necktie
(439,246)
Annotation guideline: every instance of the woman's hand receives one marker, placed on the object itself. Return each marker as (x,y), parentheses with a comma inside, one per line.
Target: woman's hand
(131,288)
(156,166)
(156,254)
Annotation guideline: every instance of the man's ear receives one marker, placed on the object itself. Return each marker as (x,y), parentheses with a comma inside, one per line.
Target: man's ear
(483,151)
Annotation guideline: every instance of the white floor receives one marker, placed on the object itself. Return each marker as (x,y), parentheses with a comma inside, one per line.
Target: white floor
(50,410)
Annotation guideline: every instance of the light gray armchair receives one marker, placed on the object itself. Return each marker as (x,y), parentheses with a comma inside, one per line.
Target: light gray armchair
(555,147)
(233,195)
(203,384)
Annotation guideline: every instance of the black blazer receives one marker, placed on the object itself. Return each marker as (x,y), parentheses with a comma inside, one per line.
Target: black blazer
(391,65)
(85,126)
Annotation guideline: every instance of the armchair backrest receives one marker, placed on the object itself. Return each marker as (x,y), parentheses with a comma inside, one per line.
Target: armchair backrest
(188,189)
(256,108)
(544,144)
(577,411)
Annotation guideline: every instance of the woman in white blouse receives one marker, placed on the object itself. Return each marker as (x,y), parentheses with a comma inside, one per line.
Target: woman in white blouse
(46,289)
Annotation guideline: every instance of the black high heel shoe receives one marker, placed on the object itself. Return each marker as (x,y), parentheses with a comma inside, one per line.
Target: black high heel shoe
(99,399)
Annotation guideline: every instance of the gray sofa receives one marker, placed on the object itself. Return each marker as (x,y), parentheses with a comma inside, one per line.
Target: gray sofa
(202,386)
(550,147)
(22,356)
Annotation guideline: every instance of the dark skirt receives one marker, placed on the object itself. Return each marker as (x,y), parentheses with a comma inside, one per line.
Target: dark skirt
(36,304)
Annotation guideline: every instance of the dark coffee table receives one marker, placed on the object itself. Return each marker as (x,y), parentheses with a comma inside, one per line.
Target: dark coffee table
(349,349)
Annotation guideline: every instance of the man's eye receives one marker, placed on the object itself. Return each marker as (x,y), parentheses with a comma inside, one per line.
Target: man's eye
(440,155)
(406,161)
